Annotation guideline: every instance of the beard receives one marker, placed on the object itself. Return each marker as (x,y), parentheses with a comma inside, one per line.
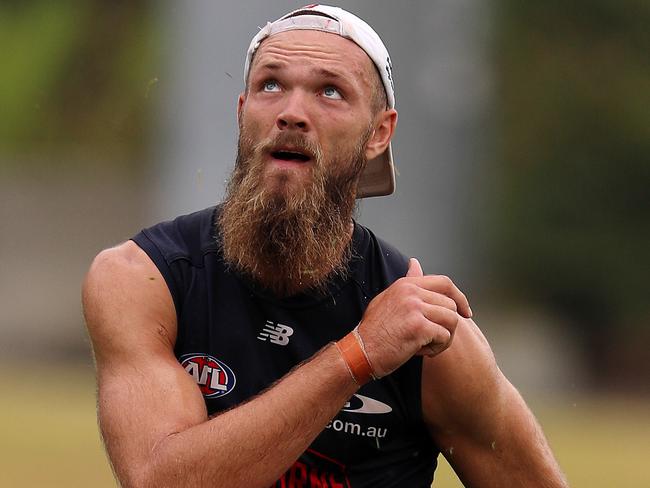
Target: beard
(289,236)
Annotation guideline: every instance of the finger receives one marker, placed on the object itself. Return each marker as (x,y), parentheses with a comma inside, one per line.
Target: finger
(432,349)
(434,298)
(414,268)
(440,341)
(444,285)
(440,317)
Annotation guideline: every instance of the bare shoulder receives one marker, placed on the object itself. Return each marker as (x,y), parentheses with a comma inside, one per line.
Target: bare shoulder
(125,258)
(126,300)
(131,321)
(461,377)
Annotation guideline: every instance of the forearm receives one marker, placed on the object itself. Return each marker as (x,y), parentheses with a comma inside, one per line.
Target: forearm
(524,452)
(507,447)
(253,444)
(479,420)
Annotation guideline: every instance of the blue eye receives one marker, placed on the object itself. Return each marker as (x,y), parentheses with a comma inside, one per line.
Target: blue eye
(333,93)
(271,86)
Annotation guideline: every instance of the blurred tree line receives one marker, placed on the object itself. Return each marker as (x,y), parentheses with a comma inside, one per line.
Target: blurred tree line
(571,226)
(573,192)
(75,77)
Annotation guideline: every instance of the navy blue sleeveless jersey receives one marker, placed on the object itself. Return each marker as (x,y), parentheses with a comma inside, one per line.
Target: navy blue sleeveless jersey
(236,339)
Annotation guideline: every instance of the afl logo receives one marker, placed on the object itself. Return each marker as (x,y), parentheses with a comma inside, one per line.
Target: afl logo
(214,377)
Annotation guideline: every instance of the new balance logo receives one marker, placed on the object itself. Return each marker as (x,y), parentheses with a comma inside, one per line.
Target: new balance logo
(276,333)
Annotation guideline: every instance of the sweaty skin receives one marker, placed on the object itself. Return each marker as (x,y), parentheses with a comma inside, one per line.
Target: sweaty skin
(319,84)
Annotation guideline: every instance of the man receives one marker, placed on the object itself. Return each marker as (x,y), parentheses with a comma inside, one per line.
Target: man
(272,341)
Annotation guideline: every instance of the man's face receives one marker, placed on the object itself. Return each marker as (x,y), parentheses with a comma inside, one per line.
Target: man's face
(306,86)
(306,130)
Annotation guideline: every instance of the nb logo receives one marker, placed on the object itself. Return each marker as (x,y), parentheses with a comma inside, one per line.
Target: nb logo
(276,333)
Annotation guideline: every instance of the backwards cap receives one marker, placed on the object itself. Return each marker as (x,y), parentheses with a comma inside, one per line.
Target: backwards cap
(378,178)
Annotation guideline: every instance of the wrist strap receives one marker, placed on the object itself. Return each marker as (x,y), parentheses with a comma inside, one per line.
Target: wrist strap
(355,357)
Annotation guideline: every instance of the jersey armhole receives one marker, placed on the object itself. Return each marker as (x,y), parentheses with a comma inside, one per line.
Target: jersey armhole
(149,247)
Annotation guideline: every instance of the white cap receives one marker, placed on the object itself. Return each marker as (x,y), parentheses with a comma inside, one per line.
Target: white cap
(378,178)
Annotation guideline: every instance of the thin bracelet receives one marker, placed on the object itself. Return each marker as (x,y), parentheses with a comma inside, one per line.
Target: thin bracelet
(355,331)
(347,365)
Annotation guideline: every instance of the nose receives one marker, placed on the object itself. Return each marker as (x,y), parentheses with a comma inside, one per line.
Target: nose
(293,115)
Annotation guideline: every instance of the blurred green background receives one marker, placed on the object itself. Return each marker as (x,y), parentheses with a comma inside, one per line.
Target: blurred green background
(564,228)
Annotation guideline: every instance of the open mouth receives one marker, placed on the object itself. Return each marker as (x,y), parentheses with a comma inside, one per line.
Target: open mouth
(291,156)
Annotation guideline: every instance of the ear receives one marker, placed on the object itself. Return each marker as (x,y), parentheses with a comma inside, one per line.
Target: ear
(240,104)
(384,127)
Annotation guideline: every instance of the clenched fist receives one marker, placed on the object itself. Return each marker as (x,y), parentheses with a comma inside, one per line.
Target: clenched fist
(417,314)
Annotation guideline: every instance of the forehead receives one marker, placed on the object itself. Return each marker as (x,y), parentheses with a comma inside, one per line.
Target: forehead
(317,48)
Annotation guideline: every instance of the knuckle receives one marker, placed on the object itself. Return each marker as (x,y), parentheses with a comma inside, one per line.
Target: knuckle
(452,317)
(405,286)
(401,282)
(439,335)
(415,327)
(447,318)
(412,302)
(406,295)
(445,282)
(397,288)
(450,304)
(453,325)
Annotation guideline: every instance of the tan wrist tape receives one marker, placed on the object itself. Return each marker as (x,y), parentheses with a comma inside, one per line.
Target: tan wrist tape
(351,349)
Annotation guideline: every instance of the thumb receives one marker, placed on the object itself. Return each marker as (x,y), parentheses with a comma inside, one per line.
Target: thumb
(414,268)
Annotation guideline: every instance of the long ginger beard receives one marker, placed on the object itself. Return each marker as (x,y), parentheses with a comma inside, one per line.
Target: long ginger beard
(287,233)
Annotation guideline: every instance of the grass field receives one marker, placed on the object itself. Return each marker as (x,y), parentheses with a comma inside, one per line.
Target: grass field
(48,435)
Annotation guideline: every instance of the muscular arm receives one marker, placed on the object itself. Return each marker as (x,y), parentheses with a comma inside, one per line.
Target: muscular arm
(151,413)
(479,420)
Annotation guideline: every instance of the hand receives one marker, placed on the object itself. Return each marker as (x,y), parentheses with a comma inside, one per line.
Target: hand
(417,314)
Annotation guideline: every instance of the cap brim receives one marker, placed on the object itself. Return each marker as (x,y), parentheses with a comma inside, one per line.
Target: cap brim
(378,178)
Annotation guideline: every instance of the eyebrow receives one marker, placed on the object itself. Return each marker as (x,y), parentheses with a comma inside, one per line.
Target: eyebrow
(325,73)
(271,66)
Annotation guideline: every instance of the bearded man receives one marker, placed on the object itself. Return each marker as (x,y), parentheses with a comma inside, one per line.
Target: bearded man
(272,340)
